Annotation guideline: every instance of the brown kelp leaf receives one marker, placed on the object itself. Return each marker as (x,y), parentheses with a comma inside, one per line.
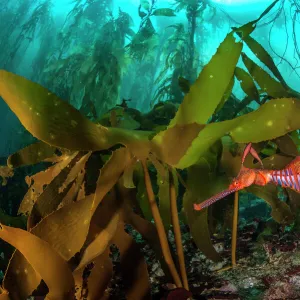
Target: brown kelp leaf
(160,168)
(103,226)
(100,276)
(200,184)
(149,233)
(79,283)
(68,239)
(31,155)
(40,180)
(248,30)
(207,91)
(48,118)
(78,167)
(247,84)
(65,230)
(57,123)
(81,193)
(267,83)
(286,145)
(260,52)
(281,212)
(128,174)
(296,139)
(267,10)
(69,227)
(133,266)
(229,163)
(274,118)
(164,195)
(182,135)
(6,172)
(4,295)
(110,174)
(73,193)
(20,273)
(274,162)
(142,196)
(54,270)
(50,198)
(294,200)
(19,221)
(226,95)
(232,164)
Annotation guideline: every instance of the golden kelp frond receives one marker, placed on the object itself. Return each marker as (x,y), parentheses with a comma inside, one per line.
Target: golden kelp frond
(206,93)
(110,174)
(226,95)
(54,270)
(133,266)
(128,174)
(247,84)
(163,196)
(165,144)
(59,124)
(263,56)
(103,227)
(100,277)
(31,155)
(78,167)
(287,145)
(49,118)
(50,198)
(273,119)
(6,172)
(201,185)
(76,192)
(19,222)
(149,233)
(281,212)
(267,83)
(4,295)
(39,181)
(65,230)
(141,196)
(20,273)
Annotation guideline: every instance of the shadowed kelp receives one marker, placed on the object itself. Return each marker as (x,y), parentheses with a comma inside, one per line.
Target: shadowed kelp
(80,227)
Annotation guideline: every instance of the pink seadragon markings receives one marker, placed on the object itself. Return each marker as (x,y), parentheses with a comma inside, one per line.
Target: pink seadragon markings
(289,177)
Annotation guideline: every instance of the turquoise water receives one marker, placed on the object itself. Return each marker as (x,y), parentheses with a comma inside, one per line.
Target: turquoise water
(274,32)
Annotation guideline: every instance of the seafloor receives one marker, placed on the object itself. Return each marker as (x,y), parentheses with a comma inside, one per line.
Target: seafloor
(268,263)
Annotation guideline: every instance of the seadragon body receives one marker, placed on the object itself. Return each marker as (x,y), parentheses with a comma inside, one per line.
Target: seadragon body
(289,177)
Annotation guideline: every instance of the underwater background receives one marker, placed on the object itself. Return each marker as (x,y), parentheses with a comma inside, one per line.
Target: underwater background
(149,149)
(54,42)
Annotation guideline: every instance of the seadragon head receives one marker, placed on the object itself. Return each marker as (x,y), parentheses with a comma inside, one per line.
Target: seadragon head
(245,178)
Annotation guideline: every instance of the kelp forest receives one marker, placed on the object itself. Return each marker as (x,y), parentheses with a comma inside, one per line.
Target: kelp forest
(120,126)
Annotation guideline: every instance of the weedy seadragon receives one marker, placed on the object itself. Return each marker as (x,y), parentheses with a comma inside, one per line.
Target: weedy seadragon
(289,177)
